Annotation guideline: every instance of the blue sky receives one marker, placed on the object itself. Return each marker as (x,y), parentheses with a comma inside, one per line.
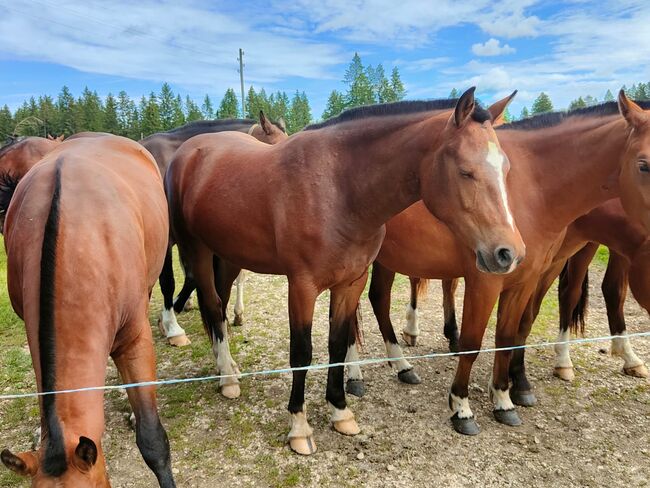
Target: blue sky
(566,48)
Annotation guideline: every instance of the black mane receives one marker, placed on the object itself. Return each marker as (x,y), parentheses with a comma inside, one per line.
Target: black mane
(399,108)
(12,142)
(8,183)
(551,119)
(218,125)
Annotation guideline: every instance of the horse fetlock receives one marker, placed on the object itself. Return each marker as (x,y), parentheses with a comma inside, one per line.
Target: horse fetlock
(460,406)
(301,435)
(343,421)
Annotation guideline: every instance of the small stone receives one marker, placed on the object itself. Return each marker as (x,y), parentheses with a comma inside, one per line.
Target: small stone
(411,409)
(602,350)
(558,418)
(390,467)
(540,426)
(536,439)
(360,456)
(175,470)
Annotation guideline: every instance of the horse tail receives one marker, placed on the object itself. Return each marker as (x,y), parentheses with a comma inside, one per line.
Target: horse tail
(579,313)
(54,461)
(423,287)
(8,183)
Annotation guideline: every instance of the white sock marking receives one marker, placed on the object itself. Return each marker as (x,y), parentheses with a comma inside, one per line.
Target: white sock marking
(225,362)
(622,348)
(461,407)
(170,324)
(501,398)
(412,321)
(394,351)
(337,414)
(299,425)
(354,371)
(562,356)
(239,303)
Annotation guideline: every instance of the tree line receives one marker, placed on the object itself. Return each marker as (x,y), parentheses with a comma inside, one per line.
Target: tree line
(120,114)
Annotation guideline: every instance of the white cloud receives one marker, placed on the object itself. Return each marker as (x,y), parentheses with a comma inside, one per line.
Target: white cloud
(491,47)
(183,42)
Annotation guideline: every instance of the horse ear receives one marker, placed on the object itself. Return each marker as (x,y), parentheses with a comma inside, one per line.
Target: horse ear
(464,107)
(24,463)
(265,124)
(282,124)
(60,138)
(49,137)
(634,114)
(85,454)
(498,109)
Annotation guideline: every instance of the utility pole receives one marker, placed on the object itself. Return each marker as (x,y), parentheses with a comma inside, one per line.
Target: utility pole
(241,79)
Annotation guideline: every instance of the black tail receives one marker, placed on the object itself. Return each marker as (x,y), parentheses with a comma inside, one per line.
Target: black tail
(8,183)
(54,462)
(579,313)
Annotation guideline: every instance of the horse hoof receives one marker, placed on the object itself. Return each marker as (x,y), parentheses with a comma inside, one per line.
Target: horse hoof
(564,373)
(466,426)
(639,371)
(507,417)
(409,376)
(355,387)
(410,340)
(239,321)
(347,427)
(453,345)
(304,446)
(231,391)
(523,398)
(179,341)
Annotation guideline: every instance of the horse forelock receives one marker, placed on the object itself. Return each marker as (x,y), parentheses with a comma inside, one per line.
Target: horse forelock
(54,459)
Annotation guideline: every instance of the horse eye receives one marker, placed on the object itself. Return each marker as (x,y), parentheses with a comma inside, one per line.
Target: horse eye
(643,166)
(467,174)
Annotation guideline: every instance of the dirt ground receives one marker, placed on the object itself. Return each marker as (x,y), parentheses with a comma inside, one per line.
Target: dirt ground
(593,432)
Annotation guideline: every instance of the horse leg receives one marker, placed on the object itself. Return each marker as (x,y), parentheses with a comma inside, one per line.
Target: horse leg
(411,332)
(449,310)
(481,293)
(344,301)
(521,392)
(379,294)
(225,274)
(354,385)
(512,304)
(136,363)
(200,269)
(614,289)
(182,301)
(302,299)
(239,302)
(168,324)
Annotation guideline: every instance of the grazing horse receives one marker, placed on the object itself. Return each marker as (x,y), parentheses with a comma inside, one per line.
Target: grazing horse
(88,204)
(550,185)
(16,158)
(162,146)
(608,225)
(314,210)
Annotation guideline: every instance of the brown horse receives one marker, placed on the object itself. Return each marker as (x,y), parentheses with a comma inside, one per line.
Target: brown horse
(608,225)
(635,172)
(162,146)
(16,158)
(314,210)
(89,203)
(588,146)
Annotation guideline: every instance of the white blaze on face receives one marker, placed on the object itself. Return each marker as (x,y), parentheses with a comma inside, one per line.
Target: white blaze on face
(496,160)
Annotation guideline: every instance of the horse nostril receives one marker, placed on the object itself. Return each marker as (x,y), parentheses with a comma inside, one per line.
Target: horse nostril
(504,256)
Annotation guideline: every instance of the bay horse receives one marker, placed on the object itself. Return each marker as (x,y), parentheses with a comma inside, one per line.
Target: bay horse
(607,224)
(162,146)
(315,209)
(550,186)
(16,158)
(88,204)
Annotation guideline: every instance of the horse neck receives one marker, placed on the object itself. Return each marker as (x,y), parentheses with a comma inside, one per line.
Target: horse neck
(378,162)
(573,170)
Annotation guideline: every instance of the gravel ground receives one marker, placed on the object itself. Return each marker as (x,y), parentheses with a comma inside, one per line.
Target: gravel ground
(593,432)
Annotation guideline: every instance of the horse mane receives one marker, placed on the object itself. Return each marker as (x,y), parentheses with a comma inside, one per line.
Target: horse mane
(54,459)
(8,183)
(12,143)
(550,119)
(217,125)
(398,108)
